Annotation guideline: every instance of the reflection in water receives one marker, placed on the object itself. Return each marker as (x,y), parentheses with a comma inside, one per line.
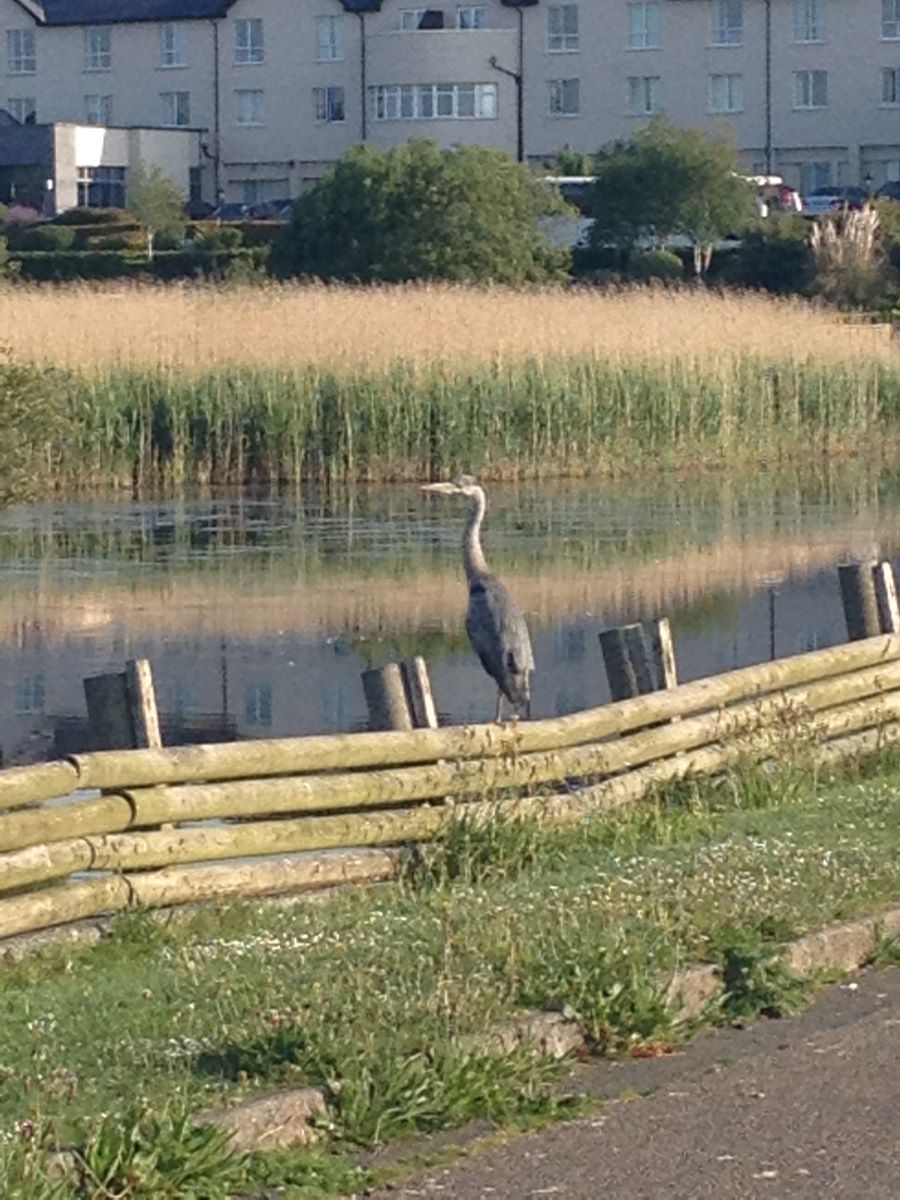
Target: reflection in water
(260,612)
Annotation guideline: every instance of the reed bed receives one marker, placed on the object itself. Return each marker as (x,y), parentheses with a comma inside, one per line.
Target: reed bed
(286,383)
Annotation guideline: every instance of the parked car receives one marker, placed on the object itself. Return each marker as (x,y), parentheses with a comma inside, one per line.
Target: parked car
(272,210)
(231,211)
(889,190)
(833,199)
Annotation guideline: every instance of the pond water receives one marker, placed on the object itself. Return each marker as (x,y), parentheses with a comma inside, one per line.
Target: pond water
(260,612)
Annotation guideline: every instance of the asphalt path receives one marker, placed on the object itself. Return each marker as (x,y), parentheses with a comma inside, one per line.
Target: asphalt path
(794,1109)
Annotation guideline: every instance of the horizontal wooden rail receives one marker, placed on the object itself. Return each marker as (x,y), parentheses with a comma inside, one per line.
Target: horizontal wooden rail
(119,769)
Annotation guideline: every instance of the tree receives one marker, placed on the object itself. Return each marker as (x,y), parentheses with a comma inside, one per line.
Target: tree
(157,202)
(421,212)
(668,181)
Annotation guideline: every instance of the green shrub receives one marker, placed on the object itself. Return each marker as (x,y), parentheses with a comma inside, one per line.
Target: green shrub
(41,237)
(775,256)
(647,265)
(219,237)
(95,216)
(240,263)
(64,265)
(260,233)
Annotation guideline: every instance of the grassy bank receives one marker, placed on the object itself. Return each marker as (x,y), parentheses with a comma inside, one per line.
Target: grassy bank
(290,383)
(373,994)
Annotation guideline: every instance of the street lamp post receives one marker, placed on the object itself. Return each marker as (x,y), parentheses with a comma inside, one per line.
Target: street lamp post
(519,78)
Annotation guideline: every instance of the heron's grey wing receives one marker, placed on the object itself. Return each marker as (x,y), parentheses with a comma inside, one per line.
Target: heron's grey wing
(498,632)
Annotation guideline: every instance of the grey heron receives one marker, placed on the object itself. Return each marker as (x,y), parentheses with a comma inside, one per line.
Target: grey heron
(494,623)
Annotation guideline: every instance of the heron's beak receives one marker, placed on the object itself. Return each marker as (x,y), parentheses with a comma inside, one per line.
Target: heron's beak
(439,489)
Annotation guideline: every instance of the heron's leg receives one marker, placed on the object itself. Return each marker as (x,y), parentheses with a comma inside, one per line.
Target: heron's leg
(499,715)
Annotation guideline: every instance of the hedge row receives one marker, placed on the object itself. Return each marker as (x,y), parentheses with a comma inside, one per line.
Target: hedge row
(66,265)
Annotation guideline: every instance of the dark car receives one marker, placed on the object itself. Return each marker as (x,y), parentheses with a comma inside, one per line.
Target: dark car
(272,210)
(232,211)
(832,199)
(889,190)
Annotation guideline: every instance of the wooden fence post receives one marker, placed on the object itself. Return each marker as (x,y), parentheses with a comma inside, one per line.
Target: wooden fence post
(418,693)
(619,668)
(859,600)
(122,708)
(886,595)
(386,698)
(664,655)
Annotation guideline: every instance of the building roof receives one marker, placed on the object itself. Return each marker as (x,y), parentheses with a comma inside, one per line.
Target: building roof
(109,12)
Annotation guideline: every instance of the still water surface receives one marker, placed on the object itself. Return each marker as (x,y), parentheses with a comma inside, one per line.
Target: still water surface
(259,612)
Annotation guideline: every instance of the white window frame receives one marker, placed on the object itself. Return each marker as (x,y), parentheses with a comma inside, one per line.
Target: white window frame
(98,48)
(726,92)
(98,109)
(31,695)
(258,704)
(409,19)
(644,95)
(434,102)
(176,109)
(728,22)
(249,42)
(329,38)
(890,20)
(23,108)
(472,16)
(809,22)
(805,89)
(107,177)
(21,52)
(254,109)
(644,34)
(173,38)
(563,29)
(564,98)
(327,101)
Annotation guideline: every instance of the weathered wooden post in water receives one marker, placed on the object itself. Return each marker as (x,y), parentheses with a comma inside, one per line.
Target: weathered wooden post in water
(869,597)
(630,668)
(418,693)
(386,698)
(122,712)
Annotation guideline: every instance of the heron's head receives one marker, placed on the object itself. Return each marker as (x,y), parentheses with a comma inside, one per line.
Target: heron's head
(462,485)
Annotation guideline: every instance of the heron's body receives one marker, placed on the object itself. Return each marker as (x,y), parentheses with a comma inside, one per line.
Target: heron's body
(494,622)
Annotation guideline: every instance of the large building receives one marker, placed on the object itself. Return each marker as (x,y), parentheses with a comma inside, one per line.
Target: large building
(278,89)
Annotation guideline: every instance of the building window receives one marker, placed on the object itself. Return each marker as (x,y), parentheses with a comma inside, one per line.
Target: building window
(98,48)
(562,27)
(890,19)
(412,19)
(101,187)
(98,110)
(810,89)
(890,85)
(433,101)
(20,53)
(182,699)
(813,176)
(644,26)
(643,95)
(329,39)
(728,22)
(809,21)
(23,108)
(472,16)
(726,93)
(329,103)
(248,41)
(30,694)
(258,704)
(173,44)
(176,108)
(257,191)
(565,97)
(251,107)
(892,170)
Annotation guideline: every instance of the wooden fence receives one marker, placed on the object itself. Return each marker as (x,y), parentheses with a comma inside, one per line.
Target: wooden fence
(103,831)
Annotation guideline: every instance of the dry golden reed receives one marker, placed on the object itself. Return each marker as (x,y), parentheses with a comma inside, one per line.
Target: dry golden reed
(192,328)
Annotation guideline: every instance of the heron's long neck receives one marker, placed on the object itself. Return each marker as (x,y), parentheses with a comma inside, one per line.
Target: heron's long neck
(473,555)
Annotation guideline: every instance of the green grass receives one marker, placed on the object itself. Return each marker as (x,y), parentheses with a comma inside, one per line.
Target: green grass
(374,994)
(558,416)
